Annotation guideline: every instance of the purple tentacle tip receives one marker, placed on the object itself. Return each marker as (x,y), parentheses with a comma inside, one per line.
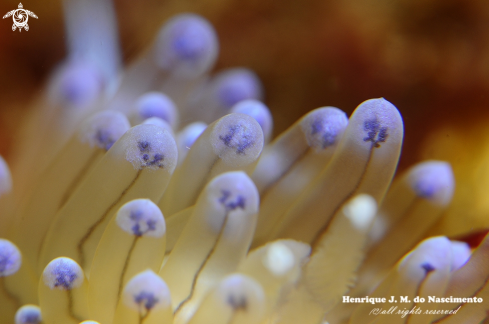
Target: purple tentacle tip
(141,217)
(28,314)
(433,180)
(235,85)
(146,291)
(155,104)
(229,204)
(187,46)
(63,273)
(259,112)
(375,132)
(10,258)
(77,84)
(322,127)
(146,299)
(427,267)
(237,138)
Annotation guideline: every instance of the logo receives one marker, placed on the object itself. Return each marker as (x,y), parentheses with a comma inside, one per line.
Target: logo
(20,17)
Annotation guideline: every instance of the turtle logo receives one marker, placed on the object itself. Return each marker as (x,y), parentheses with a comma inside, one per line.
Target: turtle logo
(20,17)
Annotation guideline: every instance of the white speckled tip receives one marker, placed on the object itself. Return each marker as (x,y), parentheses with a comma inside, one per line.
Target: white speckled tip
(259,112)
(104,129)
(63,274)
(141,217)
(375,123)
(150,147)
(322,127)
(10,258)
(147,290)
(232,192)
(237,139)
(241,292)
(28,314)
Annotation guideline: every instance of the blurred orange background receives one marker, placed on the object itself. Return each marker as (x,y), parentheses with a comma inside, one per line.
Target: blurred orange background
(428,57)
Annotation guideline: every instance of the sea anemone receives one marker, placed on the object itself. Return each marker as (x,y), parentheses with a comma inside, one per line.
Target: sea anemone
(155,195)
